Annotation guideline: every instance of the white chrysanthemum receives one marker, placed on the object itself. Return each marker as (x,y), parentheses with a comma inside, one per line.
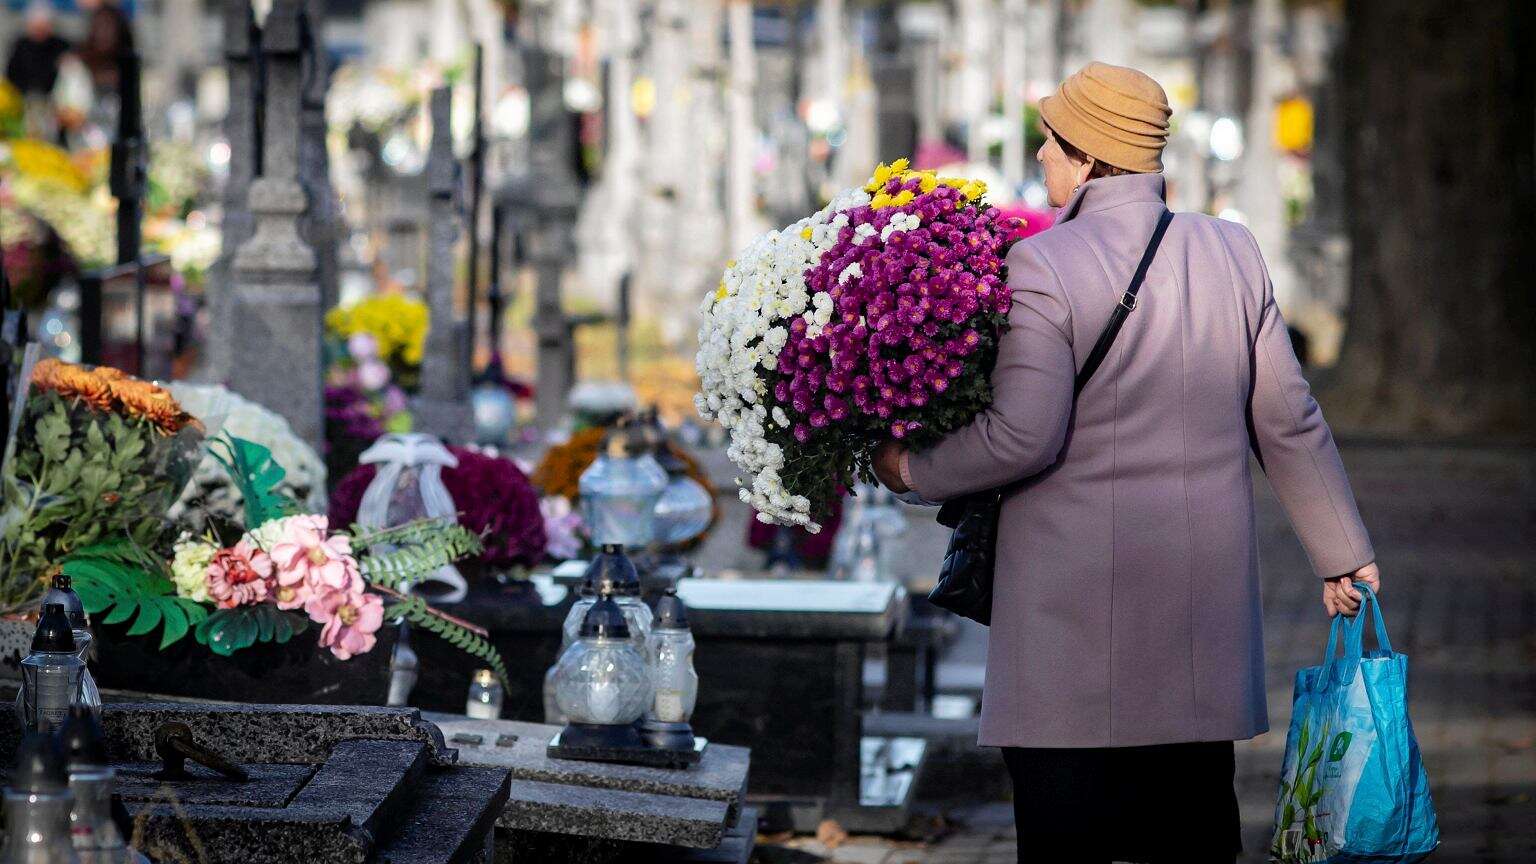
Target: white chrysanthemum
(211,495)
(743,332)
(189,567)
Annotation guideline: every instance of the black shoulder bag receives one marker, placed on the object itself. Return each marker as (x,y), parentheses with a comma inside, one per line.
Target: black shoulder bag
(965,579)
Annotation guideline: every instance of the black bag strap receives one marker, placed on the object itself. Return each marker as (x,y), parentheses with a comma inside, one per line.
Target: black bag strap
(1124,308)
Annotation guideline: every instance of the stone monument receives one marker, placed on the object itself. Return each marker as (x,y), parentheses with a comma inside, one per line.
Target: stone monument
(274,326)
(242,129)
(443,407)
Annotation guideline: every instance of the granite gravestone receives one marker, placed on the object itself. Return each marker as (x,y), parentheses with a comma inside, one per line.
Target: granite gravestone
(275,324)
(323,785)
(443,408)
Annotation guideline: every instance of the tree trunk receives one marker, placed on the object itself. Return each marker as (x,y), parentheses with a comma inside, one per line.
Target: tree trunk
(1440,117)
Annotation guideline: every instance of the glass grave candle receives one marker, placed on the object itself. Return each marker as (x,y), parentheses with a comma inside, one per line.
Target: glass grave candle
(51,675)
(37,806)
(674,683)
(601,682)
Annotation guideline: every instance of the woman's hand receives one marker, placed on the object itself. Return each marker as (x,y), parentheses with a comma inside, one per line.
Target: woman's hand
(1339,594)
(888,466)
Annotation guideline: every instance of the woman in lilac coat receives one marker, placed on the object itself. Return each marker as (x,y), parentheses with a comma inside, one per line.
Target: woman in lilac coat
(1126,652)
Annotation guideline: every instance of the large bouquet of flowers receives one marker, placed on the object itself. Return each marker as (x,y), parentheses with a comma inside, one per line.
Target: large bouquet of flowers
(292,569)
(875,318)
(97,454)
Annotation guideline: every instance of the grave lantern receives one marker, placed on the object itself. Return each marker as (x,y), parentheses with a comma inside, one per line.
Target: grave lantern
(674,683)
(620,489)
(684,509)
(37,805)
(602,685)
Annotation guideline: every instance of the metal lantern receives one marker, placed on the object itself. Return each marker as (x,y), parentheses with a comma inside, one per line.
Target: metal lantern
(601,682)
(674,683)
(96,837)
(619,490)
(611,574)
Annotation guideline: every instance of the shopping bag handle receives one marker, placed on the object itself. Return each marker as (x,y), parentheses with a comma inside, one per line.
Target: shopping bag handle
(1354,634)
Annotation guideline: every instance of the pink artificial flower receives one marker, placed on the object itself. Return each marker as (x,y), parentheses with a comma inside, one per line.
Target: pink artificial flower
(348,621)
(239,576)
(362,346)
(304,555)
(372,375)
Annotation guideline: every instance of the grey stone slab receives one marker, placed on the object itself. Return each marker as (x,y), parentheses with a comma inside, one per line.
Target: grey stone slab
(719,776)
(614,815)
(299,734)
(268,786)
(369,781)
(171,831)
(451,819)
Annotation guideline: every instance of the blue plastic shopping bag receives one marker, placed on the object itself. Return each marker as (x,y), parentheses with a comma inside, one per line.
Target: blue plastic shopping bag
(1352,788)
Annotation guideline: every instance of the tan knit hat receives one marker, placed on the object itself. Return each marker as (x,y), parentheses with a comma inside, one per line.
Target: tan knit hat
(1114,114)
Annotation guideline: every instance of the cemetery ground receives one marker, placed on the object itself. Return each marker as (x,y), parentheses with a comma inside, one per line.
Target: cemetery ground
(1453,528)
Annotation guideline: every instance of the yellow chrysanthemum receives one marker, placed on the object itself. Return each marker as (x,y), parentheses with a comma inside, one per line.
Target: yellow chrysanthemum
(721,292)
(880,201)
(398,323)
(49,164)
(928,183)
(805,234)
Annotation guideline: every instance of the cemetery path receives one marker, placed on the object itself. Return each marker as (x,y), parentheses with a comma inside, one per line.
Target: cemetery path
(1455,529)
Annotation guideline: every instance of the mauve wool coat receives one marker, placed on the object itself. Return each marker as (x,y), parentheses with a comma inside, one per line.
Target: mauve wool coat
(1126,608)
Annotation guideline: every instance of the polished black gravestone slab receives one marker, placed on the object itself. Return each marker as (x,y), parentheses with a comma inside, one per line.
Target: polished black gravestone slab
(326,785)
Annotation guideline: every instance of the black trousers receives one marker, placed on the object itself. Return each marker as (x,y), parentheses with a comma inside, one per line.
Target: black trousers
(1168,803)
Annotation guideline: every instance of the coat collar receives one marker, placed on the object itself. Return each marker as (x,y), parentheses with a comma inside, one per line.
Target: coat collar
(1105,192)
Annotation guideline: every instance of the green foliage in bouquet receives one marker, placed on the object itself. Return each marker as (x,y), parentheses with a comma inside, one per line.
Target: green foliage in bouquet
(78,477)
(228,630)
(396,557)
(258,477)
(117,579)
(415,610)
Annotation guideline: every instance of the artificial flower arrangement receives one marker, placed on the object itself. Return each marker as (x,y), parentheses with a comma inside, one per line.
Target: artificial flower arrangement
(875,318)
(289,571)
(494,500)
(98,454)
(212,501)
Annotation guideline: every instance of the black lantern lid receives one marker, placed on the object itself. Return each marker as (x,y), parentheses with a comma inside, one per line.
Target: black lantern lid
(62,591)
(671,612)
(605,620)
(626,440)
(611,572)
(39,765)
(84,742)
(54,634)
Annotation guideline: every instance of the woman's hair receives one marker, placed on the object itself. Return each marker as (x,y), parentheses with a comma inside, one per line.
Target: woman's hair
(1100,167)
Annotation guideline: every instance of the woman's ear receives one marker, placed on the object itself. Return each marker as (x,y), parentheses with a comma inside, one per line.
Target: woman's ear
(1084,171)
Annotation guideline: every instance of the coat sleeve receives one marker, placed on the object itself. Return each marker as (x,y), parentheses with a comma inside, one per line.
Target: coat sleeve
(1296,449)
(1023,431)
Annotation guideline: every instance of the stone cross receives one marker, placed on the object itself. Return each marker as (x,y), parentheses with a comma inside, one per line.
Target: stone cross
(551,199)
(443,407)
(275,324)
(242,131)
(320,225)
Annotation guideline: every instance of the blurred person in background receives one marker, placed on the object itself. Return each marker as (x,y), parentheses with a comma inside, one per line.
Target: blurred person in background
(34,64)
(1126,650)
(108,35)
